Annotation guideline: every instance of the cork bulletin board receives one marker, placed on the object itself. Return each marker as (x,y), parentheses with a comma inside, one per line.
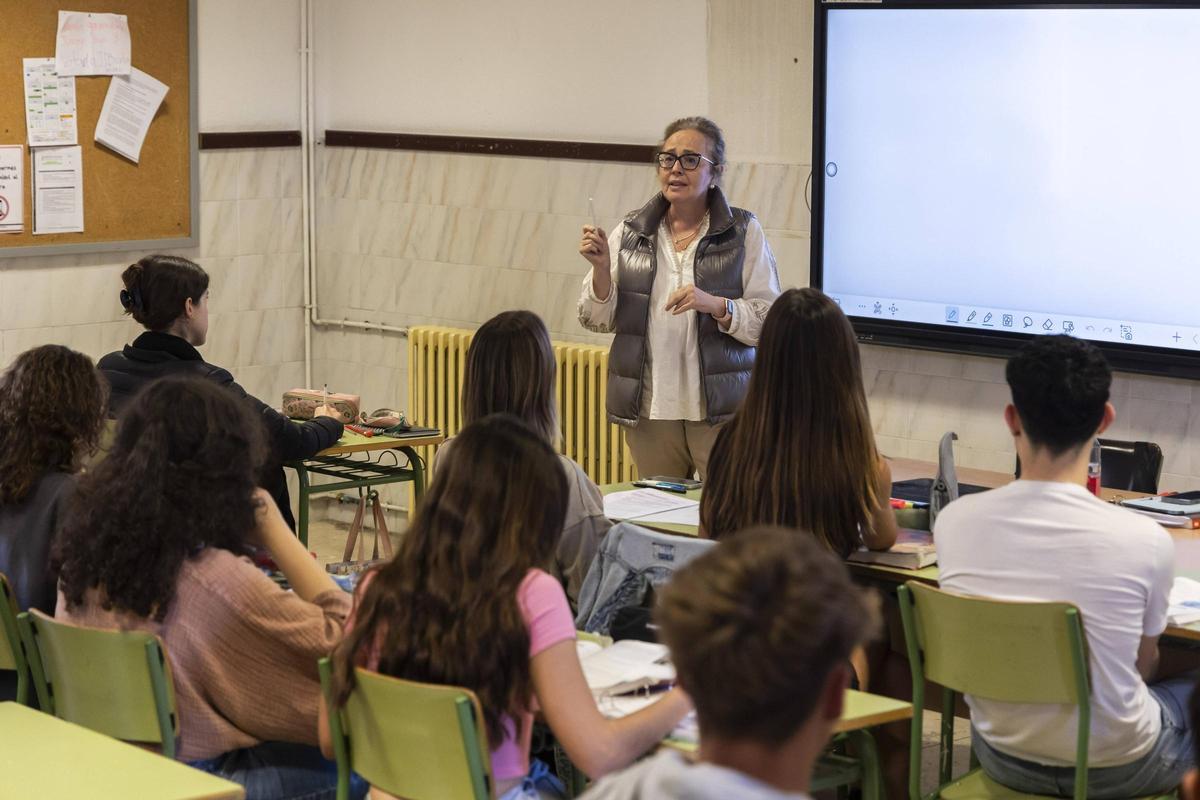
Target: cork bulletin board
(153,203)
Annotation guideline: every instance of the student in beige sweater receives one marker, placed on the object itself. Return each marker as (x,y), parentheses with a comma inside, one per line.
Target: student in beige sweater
(157,541)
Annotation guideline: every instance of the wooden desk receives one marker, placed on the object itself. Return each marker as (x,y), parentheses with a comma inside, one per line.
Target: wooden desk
(865,710)
(341,462)
(43,756)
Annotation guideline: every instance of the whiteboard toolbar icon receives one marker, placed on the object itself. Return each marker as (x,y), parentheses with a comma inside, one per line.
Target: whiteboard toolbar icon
(952,314)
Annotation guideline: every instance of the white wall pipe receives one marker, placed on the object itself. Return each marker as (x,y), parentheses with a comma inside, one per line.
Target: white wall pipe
(306,192)
(308,202)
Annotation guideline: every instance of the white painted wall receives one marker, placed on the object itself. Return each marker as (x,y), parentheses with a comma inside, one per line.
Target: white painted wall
(544,69)
(249,64)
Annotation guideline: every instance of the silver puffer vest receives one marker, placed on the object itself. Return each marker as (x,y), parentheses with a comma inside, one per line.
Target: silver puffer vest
(725,363)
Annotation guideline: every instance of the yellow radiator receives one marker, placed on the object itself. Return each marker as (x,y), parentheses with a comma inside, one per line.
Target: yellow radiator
(437,359)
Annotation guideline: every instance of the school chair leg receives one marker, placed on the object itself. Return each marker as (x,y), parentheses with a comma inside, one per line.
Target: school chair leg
(868,754)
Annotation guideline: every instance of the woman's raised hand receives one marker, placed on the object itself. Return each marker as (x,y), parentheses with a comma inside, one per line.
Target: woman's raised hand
(594,247)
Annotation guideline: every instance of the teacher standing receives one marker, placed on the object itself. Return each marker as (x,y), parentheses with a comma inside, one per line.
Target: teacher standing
(685,282)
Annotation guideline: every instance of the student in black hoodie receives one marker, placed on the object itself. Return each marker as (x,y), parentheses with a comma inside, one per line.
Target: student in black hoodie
(168,295)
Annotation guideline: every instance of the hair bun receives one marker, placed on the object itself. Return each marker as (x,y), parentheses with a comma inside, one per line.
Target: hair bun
(131,295)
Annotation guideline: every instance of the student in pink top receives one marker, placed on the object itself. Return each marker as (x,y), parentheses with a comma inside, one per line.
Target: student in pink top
(468,602)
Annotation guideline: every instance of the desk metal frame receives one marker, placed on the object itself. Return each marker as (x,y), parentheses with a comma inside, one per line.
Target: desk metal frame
(352,473)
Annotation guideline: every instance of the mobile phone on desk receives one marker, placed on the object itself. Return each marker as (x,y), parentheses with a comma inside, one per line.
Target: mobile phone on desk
(665,486)
(686,483)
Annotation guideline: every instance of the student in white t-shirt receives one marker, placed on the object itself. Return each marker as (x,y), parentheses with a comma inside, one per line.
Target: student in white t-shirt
(1045,537)
(760,630)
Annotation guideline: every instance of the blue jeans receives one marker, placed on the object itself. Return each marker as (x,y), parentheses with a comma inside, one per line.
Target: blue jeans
(281,771)
(1157,772)
(539,784)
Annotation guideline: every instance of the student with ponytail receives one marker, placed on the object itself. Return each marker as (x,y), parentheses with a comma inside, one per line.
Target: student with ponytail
(155,542)
(168,295)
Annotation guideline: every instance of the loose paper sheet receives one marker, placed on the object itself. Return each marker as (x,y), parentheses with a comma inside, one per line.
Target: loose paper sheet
(129,108)
(688,515)
(58,190)
(49,105)
(92,44)
(12,188)
(638,503)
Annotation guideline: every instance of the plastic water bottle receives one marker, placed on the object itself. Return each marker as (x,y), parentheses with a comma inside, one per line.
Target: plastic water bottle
(1093,476)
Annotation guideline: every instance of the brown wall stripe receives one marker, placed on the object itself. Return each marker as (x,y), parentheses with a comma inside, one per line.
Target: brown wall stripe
(249,139)
(532,148)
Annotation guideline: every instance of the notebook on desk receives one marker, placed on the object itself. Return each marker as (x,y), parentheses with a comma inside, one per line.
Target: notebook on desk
(415,432)
(912,550)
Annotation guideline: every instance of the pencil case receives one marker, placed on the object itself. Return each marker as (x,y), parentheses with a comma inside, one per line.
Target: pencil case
(302,403)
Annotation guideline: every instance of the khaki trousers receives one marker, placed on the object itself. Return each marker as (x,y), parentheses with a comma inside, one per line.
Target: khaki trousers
(674,448)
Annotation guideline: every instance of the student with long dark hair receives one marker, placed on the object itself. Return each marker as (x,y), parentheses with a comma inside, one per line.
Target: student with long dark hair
(467,602)
(168,296)
(510,370)
(800,452)
(155,542)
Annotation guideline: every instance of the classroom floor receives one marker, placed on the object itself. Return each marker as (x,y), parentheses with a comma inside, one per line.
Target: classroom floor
(328,539)
(931,724)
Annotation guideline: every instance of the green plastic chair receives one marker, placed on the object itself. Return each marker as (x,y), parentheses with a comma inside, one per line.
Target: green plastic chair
(416,740)
(12,651)
(1014,652)
(115,682)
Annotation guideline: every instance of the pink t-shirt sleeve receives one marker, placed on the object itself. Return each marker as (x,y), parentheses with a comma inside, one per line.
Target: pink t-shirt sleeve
(546,610)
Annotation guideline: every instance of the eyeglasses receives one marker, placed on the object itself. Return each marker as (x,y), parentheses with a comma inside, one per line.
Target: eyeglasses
(688,161)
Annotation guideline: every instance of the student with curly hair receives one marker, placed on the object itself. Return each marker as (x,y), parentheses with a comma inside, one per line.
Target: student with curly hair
(467,602)
(168,296)
(51,413)
(155,542)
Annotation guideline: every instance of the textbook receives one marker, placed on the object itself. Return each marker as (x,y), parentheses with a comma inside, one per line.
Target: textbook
(913,550)
(625,666)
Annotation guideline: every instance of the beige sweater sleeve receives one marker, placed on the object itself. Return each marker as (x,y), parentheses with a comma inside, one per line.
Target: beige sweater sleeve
(256,646)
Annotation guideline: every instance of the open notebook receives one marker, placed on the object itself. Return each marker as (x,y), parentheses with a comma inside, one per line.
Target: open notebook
(624,667)
(621,676)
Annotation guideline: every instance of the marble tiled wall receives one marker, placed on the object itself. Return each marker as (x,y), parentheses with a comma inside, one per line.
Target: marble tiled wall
(250,244)
(410,238)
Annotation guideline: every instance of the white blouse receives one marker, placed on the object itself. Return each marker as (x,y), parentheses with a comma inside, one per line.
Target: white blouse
(671,383)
